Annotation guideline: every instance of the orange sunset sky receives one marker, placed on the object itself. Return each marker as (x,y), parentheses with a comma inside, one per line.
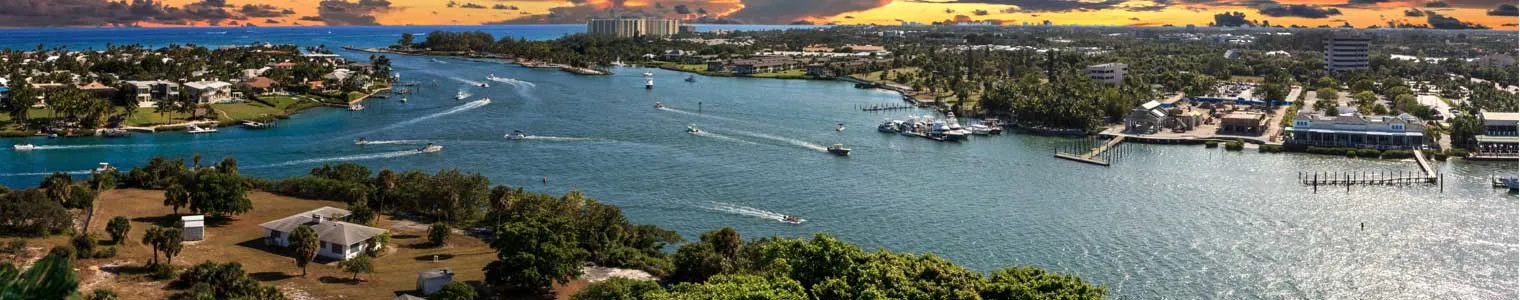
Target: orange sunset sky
(1497,14)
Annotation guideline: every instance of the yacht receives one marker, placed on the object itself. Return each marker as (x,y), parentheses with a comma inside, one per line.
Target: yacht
(114,132)
(104,167)
(516,135)
(840,128)
(251,124)
(430,148)
(693,130)
(25,147)
(648,83)
(890,126)
(792,219)
(193,129)
(839,149)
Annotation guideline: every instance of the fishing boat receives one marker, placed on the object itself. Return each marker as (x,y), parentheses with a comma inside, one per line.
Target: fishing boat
(25,147)
(430,148)
(193,129)
(460,95)
(890,126)
(693,130)
(840,127)
(648,80)
(104,167)
(360,141)
(516,135)
(792,219)
(658,105)
(993,125)
(692,78)
(839,149)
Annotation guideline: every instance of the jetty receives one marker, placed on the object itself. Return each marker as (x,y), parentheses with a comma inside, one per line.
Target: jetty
(1099,155)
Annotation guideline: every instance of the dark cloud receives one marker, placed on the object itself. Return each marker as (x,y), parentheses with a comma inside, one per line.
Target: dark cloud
(472,5)
(1414,13)
(1364,2)
(342,12)
(271,21)
(264,11)
(1134,19)
(1055,5)
(56,13)
(1439,21)
(682,9)
(1231,19)
(1297,10)
(1506,9)
(504,7)
(1434,4)
(979,12)
(785,11)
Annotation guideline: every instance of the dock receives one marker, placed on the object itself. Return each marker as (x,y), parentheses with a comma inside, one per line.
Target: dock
(1099,155)
(884,107)
(1426,175)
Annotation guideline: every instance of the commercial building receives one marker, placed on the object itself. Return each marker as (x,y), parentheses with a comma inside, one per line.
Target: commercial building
(631,27)
(1110,73)
(1501,135)
(1376,132)
(1346,51)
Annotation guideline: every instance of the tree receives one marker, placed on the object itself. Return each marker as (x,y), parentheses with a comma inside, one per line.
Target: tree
(619,288)
(151,238)
(1035,283)
(51,277)
(406,41)
(361,214)
(118,228)
(170,238)
(304,246)
(438,234)
(454,291)
(103,294)
(211,280)
(1327,103)
(228,166)
(176,196)
(57,187)
(736,287)
(84,245)
(356,265)
(1326,82)
(534,253)
(217,194)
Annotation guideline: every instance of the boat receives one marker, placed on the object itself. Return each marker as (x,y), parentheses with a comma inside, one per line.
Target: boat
(250,124)
(114,132)
(403,99)
(979,129)
(460,95)
(840,128)
(25,147)
(693,130)
(692,78)
(437,61)
(890,126)
(492,77)
(649,83)
(516,135)
(993,125)
(430,148)
(360,141)
(355,107)
(648,74)
(104,167)
(839,149)
(1509,182)
(484,85)
(658,105)
(193,129)
(792,219)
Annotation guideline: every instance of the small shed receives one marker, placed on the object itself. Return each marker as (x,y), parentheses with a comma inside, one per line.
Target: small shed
(195,227)
(433,280)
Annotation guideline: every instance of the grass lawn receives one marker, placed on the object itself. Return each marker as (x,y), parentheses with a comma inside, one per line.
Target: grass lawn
(876,76)
(257,110)
(240,239)
(793,73)
(145,116)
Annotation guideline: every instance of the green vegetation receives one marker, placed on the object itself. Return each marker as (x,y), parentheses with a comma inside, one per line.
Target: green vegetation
(358,264)
(304,246)
(1235,145)
(211,280)
(437,234)
(454,291)
(788,74)
(51,277)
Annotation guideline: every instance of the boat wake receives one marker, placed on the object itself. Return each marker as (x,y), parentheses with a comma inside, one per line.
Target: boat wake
(745,211)
(64,147)
(555,138)
(80,172)
(381,155)
(457,109)
(467,81)
(797,142)
(710,134)
(466,94)
(675,110)
(514,82)
(396,142)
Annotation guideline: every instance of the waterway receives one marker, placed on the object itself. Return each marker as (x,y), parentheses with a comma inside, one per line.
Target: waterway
(1162,222)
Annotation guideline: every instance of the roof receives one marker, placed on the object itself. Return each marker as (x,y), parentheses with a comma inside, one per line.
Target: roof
(205,85)
(4,89)
(260,82)
(1243,116)
(1501,116)
(338,232)
(95,86)
(435,273)
(409,297)
(1498,139)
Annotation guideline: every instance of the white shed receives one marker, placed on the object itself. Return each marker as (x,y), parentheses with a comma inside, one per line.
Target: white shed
(195,227)
(433,280)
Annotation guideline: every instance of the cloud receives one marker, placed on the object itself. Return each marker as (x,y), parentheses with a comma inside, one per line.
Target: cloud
(1506,9)
(56,13)
(342,12)
(979,12)
(1438,21)
(786,11)
(1434,4)
(1364,2)
(264,11)
(1297,10)
(1414,13)
(1055,5)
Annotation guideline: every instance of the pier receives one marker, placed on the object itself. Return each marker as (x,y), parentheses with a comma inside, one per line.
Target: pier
(1426,175)
(884,107)
(1099,155)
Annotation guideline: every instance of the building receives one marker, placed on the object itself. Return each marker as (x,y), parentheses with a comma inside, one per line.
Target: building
(1243,123)
(1498,60)
(631,27)
(208,92)
(1110,73)
(688,29)
(148,93)
(431,281)
(763,65)
(262,85)
(194,228)
(1376,132)
(1501,135)
(1145,119)
(336,239)
(1346,51)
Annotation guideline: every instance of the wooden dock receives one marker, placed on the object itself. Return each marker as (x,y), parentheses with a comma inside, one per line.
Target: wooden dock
(1426,175)
(1094,155)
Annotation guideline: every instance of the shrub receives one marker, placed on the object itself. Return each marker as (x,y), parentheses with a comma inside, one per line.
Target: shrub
(1234,145)
(1270,149)
(84,244)
(1368,153)
(1350,153)
(107,252)
(438,234)
(13,247)
(1456,152)
(1397,154)
(1211,144)
(1437,155)
(161,272)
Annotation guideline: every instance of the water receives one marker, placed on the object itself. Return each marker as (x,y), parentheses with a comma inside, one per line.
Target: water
(1163,222)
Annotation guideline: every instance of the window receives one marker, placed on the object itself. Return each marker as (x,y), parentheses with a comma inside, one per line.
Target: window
(1398,126)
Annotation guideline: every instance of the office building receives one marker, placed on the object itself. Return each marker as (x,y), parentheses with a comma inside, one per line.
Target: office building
(631,27)
(1346,51)
(1110,73)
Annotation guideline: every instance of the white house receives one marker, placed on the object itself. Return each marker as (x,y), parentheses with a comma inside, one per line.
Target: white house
(207,92)
(336,239)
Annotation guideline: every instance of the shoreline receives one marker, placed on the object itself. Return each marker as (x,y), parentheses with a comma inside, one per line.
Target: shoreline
(180,126)
(473,55)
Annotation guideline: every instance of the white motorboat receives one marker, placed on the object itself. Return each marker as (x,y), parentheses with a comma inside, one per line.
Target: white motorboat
(792,220)
(193,129)
(485,85)
(979,129)
(516,135)
(840,128)
(693,130)
(25,147)
(430,148)
(361,141)
(648,74)
(104,167)
(839,149)
(461,95)
(356,107)
(403,99)
(658,105)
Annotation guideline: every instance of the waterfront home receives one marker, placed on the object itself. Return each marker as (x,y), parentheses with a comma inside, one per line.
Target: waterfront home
(262,85)
(209,92)
(1372,132)
(1501,135)
(95,87)
(716,66)
(338,75)
(148,93)
(336,239)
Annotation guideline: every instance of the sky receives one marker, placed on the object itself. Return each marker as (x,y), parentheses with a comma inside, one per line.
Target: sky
(1446,14)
